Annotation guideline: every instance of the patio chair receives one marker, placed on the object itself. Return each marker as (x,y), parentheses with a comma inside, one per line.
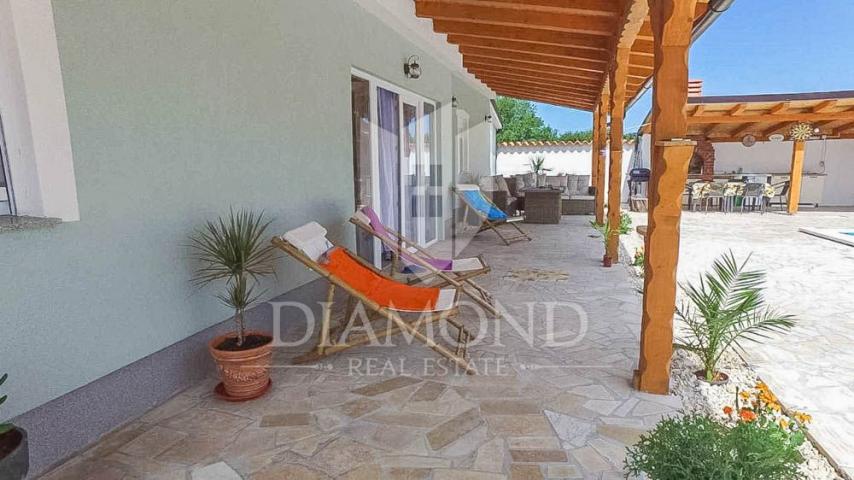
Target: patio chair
(755,193)
(491,217)
(732,190)
(713,191)
(458,273)
(781,195)
(379,293)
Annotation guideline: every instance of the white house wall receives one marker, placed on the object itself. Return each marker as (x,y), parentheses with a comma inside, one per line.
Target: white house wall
(573,159)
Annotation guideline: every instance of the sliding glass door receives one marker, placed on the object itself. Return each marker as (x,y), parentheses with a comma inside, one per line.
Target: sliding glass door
(396,169)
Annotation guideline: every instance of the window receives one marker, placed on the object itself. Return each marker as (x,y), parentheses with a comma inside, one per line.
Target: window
(462,142)
(7,203)
(37,159)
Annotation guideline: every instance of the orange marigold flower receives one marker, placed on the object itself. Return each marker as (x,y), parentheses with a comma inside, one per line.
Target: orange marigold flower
(728,410)
(745,394)
(762,386)
(802,417)
(747,415)
(784,423)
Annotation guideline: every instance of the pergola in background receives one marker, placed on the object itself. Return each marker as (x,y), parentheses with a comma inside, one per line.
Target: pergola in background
(597,55)
(732,118)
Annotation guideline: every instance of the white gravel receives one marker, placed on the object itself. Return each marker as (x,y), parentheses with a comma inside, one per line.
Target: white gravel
(699,396)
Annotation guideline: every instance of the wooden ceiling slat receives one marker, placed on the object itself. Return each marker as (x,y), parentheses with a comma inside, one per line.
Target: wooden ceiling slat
(492,74)
(497,79)
(522,34)
(527,47)
(483,14)
(550,100)
(589,95)
(825,105)
(593,66)
(765,117)
(534,67)
(775,128)
(842,128)
(524,72)
(601,8)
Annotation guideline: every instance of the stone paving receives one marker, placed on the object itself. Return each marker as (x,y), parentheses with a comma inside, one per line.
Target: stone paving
(810,277)
(537,409)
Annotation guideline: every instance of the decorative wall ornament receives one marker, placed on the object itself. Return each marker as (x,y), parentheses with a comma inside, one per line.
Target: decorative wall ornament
(801,131)
(748,140)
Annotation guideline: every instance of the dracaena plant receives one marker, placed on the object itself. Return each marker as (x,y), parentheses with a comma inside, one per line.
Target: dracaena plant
(234,250)
(725,308)
(4,427)
(538,163)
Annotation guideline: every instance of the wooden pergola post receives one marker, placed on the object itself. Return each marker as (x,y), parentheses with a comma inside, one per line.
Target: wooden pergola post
(796,175)
(672,22)
(595,158)
(617,80)
(600,143)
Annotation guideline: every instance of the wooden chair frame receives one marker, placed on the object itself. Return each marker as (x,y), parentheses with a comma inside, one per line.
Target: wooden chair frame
(463,281)
(487,224)
(325,346)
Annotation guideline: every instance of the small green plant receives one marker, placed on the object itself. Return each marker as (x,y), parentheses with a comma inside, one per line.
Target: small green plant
(725,307)
(234,250)
(604,229)
(679,448)
(698,447)
(4,427)
(639,257)
(538,163)
(625,223)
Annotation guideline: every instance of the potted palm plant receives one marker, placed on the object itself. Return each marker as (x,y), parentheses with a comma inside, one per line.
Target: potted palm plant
(538,166)
(233,251)
(606,231)
(14,450)
(724,308)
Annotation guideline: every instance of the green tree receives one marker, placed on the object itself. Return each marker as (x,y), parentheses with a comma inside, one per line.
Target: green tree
(520,121)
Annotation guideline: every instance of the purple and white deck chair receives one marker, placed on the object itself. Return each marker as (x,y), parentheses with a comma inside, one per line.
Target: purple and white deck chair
(417,260)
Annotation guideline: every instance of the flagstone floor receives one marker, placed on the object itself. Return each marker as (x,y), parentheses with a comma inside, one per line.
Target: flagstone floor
(537,409)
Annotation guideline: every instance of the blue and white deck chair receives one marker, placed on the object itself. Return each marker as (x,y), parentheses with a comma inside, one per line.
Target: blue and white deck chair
(491,217)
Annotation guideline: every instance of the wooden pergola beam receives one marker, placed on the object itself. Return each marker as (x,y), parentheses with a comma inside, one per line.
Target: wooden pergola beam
(768,117)
(534,67)
(738,109)
(779,108)
(512,71)
(553,100)
(842,128)
(825,105)
(560,51)
(586,85)
(489,14)
(522,34)
(546,92)
(600,8)
(672,22)
(497,80)
(594,66)
(774,128)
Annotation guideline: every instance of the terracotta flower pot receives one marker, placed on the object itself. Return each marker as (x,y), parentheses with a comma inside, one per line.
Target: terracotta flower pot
(14,454)
(245,374)
(606,261)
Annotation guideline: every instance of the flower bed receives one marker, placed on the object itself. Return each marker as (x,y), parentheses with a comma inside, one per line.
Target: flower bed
(719,401)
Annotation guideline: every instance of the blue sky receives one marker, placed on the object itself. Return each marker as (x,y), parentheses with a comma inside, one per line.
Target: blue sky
(758,46)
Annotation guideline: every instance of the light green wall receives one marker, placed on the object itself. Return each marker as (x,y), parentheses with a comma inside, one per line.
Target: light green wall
(177,111)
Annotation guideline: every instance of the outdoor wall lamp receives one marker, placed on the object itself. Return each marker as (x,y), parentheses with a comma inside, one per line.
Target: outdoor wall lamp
(411,68)
(454,102)
(488,118)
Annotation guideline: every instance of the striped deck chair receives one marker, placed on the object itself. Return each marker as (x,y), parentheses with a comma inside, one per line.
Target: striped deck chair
(458,273)
(383,295)
(491,216)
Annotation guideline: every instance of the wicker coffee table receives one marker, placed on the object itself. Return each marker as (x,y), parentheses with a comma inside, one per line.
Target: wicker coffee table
(542,205)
